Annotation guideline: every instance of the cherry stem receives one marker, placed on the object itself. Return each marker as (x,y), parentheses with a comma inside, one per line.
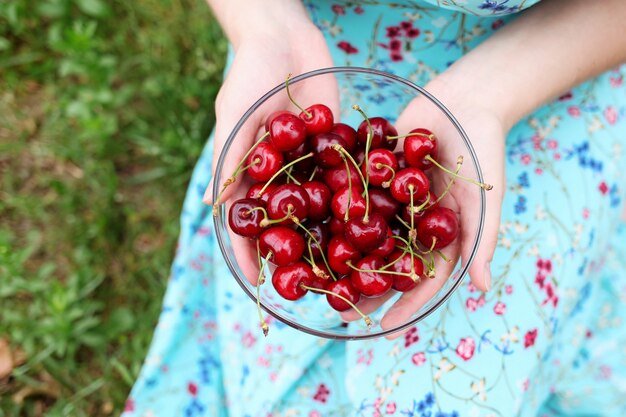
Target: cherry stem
(291,177)
(307,113)
(387,183)
(260,281)
(237,171)
(370,134)
(268,222)
(283,169)
(407,247)
(405,224)
(367,320)
(312,174)
(421,206)
(444,257)
(347,215)
(308,232)
(424,135)
(411,188)
(345,154)
(459,161)
(373,271)
(316,270)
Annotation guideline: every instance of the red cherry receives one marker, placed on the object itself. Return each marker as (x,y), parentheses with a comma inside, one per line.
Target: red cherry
(401,160)
(381,166)
(264,161)
(381,128)
(388,245)
(321,282)
(347,133)
(406,212)
(337,226)
(359,156)
(344,288)
(322,234)
(304,165)
(416,148)
(319,119)
(319,200)
(337,177)
(288,198)
(286,245)
(439,225)
(244,220)
(287,132)
(405,178)
(339,203)
(405,283)
(288,280)
(324,154)
(253,191)
(272,116)
(383,203)
(366,236)
(371,284)
(398,229)
(341,251)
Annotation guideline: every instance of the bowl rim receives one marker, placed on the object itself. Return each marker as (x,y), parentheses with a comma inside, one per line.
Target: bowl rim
(219,217)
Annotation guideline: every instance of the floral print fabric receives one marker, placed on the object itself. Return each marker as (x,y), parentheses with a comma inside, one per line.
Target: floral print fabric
(547,340)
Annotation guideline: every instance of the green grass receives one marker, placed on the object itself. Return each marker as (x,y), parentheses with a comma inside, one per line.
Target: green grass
(104,108)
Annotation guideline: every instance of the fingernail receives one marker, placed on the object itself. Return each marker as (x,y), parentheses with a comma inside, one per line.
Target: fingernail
(487,276)
(207,199)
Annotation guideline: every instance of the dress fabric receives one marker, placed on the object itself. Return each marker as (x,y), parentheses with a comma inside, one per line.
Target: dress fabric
(547,340)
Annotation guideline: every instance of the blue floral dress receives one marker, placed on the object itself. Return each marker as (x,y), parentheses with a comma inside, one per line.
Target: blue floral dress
(548,340)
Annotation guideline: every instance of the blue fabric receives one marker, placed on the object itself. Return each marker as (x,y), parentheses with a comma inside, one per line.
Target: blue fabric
(548,340)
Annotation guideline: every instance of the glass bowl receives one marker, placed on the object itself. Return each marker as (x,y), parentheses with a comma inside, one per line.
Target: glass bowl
(378,94)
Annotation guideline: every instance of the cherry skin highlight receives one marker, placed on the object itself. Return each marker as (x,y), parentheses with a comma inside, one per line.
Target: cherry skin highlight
(285,244)
(318,120)
(369,281)
(439,225)
(244,217)
(344,288)
(264,161)
(288,280)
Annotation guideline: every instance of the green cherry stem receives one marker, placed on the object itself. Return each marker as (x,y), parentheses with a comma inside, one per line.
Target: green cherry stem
(431,136)
(260,282)
(386,184)
(308,114)
(346,155)
(367,320)
(311,236)
(370,135)
(461,177)
(283,169)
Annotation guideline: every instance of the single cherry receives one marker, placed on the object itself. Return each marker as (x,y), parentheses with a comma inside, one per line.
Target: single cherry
(344,288)
(341,251)
(366,234)
(288,280)
(381,167)
(319,199)
(381,128)
(347,133)
(418,144)
(388,245)
(285,244)
(337,227)
(288,199)
(253,191)
(337,177)
(349,200)
(368,279)
(245,216)
(272,116)
(410,181)
(287,132)
(322,146)
(264,161)
(402,264)
(322,235)
(383,203)
(438,228)
(317,118)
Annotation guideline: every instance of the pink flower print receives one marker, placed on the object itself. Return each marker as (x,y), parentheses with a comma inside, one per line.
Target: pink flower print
(544,265)
(347,47)
(406,25)
(279,348)
(376,413)
(192,389)
(616,81)
(553,144)
(557,156)
(605,373)
(525,384)
(411,337)
(391,408)
(378,402)
(588,334)
(263,362)
(273,376)
(322,393)
(538,171)
(466,348)
(499,308)
(129,405)
(395,45)
(412,33)
(481,300)
(497,24)
(248,339)
(603,188)
(471,287)
(393,31)
(526,159)
(574,111)
(396,57)
(540,279)
(585,213)
(315,413)
(165,369)
(529,338)
(551,297)
(365,357)
(610,114)
(418,359)
(338,9)
(359,10)
(508,289)
(471,304)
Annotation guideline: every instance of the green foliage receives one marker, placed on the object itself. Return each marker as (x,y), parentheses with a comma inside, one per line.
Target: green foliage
(104,109)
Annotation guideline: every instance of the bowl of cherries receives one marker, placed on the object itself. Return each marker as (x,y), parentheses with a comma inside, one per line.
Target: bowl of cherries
(329,217)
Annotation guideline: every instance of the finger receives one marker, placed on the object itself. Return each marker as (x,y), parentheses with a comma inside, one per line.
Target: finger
(412,301)
(367,306)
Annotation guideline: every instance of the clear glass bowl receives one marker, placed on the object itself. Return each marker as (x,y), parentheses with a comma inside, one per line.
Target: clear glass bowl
(378,94)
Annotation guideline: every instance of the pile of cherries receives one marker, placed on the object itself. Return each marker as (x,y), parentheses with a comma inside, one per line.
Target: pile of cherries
(337,211)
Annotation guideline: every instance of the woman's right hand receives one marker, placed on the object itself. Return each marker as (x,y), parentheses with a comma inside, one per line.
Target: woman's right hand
(264,57)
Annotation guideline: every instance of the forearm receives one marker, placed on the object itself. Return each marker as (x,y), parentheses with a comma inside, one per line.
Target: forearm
(551,48)
(260,18)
